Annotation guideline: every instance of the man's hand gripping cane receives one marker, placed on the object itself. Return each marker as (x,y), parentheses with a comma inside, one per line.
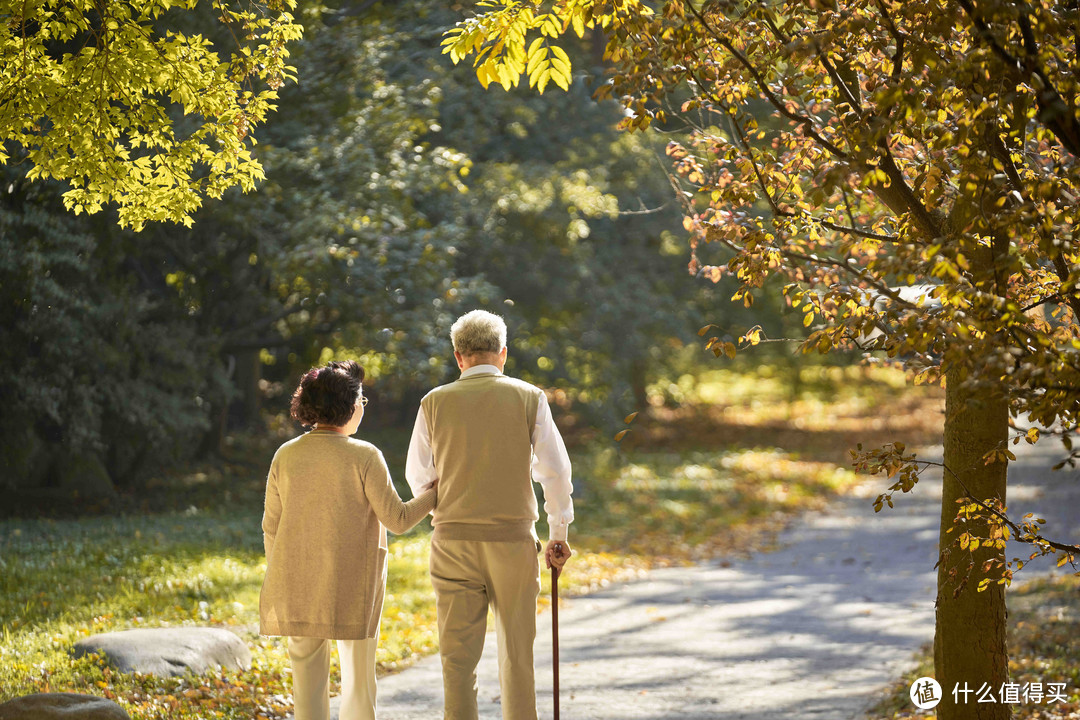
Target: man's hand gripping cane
(557,553)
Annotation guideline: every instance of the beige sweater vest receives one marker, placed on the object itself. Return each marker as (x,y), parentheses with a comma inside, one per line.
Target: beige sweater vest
(481,439)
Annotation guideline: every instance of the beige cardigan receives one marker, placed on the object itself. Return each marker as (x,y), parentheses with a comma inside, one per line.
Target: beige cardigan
(328,497)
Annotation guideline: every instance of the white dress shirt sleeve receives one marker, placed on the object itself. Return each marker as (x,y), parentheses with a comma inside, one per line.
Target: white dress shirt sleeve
(551,468)
(420,462)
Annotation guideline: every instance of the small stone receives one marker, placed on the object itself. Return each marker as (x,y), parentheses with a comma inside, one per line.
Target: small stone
(61,706)
(168,652)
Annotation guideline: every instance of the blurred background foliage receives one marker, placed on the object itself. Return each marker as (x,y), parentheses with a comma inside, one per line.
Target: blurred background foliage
(148,375)
(399,194)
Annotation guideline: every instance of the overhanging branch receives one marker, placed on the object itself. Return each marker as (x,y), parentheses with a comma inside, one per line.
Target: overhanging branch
(806,123)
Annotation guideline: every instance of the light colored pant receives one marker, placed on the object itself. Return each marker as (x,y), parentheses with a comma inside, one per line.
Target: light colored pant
(311,678)
(468,576)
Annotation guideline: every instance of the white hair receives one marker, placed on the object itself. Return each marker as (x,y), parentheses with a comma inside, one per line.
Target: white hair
(478,332)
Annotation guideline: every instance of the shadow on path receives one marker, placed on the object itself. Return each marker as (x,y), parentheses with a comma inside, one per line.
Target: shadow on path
(813,630)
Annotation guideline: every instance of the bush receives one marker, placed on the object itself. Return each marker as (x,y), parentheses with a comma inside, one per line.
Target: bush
(98,372)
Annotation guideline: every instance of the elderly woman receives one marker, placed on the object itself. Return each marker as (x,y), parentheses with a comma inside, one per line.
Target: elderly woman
(328,498)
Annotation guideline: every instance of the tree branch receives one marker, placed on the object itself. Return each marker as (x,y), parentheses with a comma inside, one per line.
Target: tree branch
(857,272)
(1055,298)
(806,123)
(897,194)
(850,100)
(757,172)
(898,56)
(856,231)
(1064,272)
(1053,110)
(1020,535)
(644,210)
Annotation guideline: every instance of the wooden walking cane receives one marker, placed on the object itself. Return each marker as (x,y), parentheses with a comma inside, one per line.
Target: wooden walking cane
(555,629)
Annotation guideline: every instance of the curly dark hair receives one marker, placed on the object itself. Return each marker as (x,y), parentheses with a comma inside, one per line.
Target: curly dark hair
(326,395)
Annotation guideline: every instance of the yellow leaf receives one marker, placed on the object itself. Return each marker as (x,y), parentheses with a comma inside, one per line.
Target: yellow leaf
(543,79)
(537,68)
(620,435)
(579,24)
(515,66)
(561,79)
(630,418)
(505,76)
(560,59)
(486,73)
(537,55)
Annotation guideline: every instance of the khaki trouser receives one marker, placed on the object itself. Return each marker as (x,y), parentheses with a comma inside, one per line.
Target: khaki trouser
(467,576)
(311,678)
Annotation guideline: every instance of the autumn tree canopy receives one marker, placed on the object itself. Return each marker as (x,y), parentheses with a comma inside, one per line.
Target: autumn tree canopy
(856,148)
(114,99)
(910,170)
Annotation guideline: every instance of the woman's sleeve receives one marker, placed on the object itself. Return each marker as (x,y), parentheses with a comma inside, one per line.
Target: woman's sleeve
(396,515)
(271,509)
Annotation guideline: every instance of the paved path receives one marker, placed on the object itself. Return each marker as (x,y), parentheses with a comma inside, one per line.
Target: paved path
(814,630)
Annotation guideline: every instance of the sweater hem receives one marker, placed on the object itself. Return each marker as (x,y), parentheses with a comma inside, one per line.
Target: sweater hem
(316,630)
(504,532)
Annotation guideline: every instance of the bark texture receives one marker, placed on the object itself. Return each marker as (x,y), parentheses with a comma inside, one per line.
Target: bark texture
(969,642)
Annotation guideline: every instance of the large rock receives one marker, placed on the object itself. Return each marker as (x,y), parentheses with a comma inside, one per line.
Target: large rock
(84,477)
(63,482)
(168,652)
(25,459)
(61,706)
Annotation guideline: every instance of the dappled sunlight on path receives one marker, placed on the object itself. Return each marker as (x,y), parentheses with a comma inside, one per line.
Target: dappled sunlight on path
(816,629)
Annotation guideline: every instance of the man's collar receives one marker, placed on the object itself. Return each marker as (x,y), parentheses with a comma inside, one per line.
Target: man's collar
(480,370)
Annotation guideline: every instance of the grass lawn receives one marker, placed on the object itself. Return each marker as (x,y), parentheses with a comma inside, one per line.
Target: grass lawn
(715,476)
(1044,647)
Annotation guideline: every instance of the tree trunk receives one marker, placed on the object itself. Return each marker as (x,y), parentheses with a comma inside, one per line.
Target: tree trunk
(598,45)
(213,442)
(639,381)
(969,643)
(247,407)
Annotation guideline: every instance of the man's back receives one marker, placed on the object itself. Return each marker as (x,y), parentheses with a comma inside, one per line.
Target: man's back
(486,438)
(481,429)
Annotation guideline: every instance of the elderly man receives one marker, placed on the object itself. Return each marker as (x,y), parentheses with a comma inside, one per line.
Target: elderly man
(486,437)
